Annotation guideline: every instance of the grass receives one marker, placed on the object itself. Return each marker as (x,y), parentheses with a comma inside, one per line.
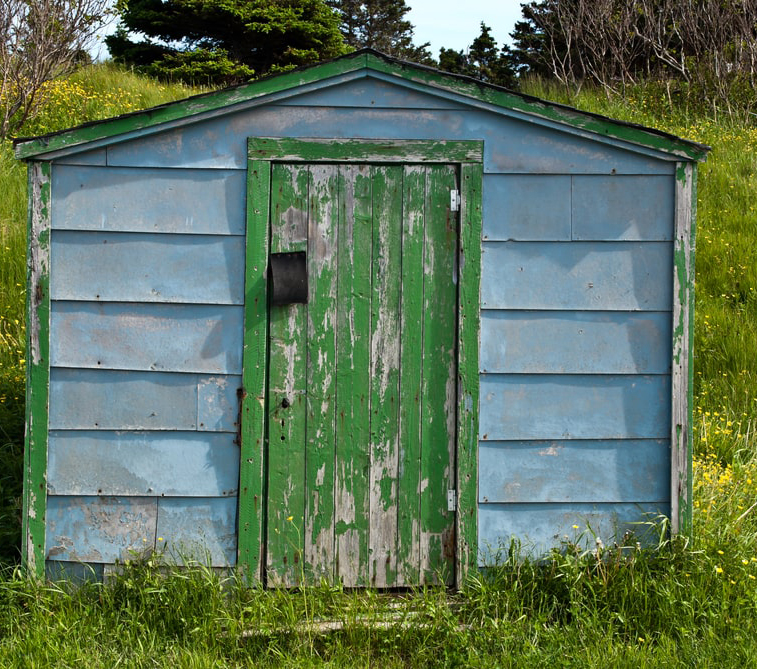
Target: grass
(686,604)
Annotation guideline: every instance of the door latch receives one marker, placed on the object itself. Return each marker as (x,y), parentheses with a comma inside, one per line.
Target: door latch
(451,500)
(454,200)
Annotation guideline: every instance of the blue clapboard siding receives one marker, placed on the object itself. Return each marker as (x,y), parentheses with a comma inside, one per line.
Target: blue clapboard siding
(184,464)
(540,527)
(74,572)
(200,530)
(509,145)
(144,200)
(117,335)
(575,342)
(115,400)
(623,207)
(93,157)
(99,529)
(527,207)
(140,267)
(546,406)
(574,471)
(623,276)
(371,93)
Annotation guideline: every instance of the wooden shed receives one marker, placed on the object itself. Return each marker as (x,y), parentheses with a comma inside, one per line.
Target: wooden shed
(363,321)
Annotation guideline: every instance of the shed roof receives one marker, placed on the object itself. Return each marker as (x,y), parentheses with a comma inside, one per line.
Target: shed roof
(366,62)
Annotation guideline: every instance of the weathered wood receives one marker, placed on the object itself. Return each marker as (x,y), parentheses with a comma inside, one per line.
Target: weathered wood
(620,276)
(540,527)
(512,146)
(37,367)
(622,207)
(366,150)
(575,342)
(523,207)
(682,383)
(439,405)
(142,267)
(353,458)
(199,530)
(149,200)
(254,382)
(161,337)
(93,399)
(321,366)
(174,464)
(385,373)
(100,529)
(468,322)
(550,406)
(632,470)
(287,387)
(412,399)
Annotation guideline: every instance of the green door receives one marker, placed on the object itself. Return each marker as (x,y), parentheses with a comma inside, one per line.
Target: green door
(362,379)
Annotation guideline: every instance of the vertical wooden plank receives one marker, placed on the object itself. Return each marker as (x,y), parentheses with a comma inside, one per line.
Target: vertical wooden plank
(385,360)
(682,369)
(353,381)
(287,381)
(411,375)
(37,368)
(252,430)
(439,411)
(321,370)
(469,317)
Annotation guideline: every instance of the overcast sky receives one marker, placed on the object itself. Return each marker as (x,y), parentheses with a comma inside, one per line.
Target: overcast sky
(442,23)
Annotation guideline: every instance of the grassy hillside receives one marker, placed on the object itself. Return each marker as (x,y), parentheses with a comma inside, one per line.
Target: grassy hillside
(691,604)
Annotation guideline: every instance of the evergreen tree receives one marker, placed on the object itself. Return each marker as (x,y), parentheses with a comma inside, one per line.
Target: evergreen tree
(381,25)
(224,41)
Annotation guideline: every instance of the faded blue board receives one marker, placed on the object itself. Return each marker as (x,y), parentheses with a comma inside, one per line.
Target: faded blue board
(93,399)
(179,464)
(615,276)
(99,529)
(520,406)
(509,145)
(73,572)
(148,200)
(623,207)
(164,337)
(525,208)
(570,342)
(574,471)
(93,157)
(140,267)
(198,530)
(540,527)
(371,93)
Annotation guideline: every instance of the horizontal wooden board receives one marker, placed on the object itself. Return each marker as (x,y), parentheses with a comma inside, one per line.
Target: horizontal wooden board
(94,399)
(623,207)
(99,529)
(634,470)
(200,530)
(163,337)
(93,157)
(73,572)
(143,267)
(617,276)
(527,208)
(148,200)
(547,406)
(178,464)
(371,93)
(540,527)
(511,146)
(576,342)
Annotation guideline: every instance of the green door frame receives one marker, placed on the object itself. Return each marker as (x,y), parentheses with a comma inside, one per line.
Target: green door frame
(261,152)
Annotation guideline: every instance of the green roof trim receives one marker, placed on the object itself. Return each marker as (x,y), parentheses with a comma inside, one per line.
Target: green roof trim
(365,59)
